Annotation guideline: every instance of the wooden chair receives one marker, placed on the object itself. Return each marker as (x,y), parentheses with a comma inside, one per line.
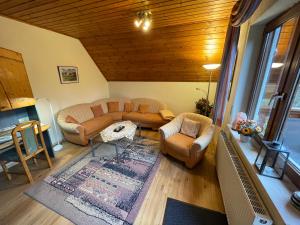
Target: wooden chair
(28,144)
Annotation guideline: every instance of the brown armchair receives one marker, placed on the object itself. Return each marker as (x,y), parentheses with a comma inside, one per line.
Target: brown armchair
(182,147)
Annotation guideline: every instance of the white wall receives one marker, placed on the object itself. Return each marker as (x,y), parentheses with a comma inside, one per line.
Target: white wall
(179,96)
(42,52)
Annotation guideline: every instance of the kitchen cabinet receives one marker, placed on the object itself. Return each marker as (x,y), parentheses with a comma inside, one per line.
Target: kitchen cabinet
(14,84)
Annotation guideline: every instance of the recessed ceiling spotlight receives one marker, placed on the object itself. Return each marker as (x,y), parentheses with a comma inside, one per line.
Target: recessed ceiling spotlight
(143,19)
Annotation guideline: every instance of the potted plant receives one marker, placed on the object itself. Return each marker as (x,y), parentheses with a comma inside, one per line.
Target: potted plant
(203,107)
(247,128)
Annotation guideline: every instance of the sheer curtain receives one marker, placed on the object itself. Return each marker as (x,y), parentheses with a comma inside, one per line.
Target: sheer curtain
(240,13)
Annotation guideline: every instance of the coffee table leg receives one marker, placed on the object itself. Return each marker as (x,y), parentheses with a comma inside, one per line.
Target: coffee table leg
(140,129)
(92,146)
(117,153)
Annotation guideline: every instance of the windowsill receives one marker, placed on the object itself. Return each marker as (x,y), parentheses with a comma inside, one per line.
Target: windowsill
(274,192)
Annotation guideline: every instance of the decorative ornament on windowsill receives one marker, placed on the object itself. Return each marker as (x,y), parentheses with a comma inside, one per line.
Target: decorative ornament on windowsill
(295,200)
(240,116)
(272,159)
(247,128)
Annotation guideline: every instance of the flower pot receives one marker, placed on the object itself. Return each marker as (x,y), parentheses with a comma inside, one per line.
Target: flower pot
(244,138)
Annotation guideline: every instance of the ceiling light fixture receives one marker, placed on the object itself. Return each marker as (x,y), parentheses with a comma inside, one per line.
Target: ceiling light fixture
(276,65)
(143,19)
(137,23)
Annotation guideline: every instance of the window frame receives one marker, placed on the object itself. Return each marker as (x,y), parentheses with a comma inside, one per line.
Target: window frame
(287,83)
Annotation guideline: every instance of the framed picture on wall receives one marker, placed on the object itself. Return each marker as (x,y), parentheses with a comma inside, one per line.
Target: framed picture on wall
(68,74)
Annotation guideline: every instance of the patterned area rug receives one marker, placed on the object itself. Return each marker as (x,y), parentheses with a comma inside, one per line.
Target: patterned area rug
(101,189)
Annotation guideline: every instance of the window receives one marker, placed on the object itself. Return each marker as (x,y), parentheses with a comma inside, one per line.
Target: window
(278,43)
(290,132)
(275,103)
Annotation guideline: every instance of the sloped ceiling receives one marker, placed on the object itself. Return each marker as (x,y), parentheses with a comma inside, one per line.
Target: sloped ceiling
(184,34)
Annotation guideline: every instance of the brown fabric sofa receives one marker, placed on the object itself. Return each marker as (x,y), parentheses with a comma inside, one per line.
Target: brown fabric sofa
(88,125)
(182,147)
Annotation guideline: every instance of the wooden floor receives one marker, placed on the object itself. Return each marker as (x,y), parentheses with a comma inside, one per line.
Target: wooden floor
(198,186)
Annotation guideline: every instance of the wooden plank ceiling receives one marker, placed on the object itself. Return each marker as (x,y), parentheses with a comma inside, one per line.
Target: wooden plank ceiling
(185,34)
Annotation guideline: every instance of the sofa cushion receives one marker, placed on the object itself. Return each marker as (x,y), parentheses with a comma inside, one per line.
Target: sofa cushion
(144,117)
(104,102)
(180,144)
(190,127)
(155,105)
(113,107)
(144,108)
(97,124)
(71,119)
(166,114)
(80,112)
(116,116)
(128,107)
(97,110)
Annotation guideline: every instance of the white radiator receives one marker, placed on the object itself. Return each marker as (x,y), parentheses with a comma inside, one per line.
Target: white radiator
(242,203)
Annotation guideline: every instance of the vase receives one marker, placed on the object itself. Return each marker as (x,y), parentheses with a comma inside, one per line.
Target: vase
(244,138)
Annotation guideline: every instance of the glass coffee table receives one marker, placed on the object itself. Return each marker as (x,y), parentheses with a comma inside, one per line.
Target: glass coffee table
(113,133)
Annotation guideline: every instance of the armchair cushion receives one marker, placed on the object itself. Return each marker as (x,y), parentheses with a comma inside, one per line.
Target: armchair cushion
(190,127)
(180,144)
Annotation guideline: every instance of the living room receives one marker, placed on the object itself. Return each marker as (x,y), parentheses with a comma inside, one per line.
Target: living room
(144,112)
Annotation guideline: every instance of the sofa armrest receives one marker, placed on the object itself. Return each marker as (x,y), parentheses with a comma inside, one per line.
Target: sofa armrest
(70,127)
(205,138)
(171,128)
(167,114)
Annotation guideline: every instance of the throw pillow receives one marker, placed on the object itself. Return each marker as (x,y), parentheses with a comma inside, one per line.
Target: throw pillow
(190,127)
(128,107)
(71,119)
(97,110)
(143,108)
(113,107)
(166,114)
